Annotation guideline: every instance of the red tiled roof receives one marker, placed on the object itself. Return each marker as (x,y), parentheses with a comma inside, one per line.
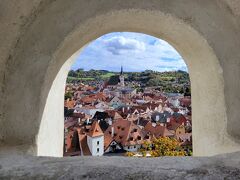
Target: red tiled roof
(185,101)
(84,146)
(180,120)
(78,115)
(125,133)
(174,126)
(88,99)
(95,130)
(158,130)
(69,103)
(107,140)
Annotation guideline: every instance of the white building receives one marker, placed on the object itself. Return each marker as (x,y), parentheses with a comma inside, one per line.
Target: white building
(89,110)
(95,140)
(121,78)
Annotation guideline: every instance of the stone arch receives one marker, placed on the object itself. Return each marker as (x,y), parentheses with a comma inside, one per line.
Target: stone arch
(48,48)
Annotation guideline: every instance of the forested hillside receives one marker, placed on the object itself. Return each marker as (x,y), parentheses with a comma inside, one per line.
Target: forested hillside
(172,81)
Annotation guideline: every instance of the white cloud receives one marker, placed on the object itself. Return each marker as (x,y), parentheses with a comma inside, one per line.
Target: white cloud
(119,45)
(135,51)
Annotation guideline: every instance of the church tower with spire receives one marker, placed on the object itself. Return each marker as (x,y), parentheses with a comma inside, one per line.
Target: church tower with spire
(121,78)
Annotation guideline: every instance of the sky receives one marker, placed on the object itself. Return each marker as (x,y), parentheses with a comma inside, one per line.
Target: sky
(136,52)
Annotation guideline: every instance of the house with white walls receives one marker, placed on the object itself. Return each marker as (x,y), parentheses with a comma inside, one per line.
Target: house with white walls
(95,140)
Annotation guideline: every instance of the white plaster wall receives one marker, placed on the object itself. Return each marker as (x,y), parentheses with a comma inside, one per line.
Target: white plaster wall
(132,148)
(92,144)
(206,34)
(51,131)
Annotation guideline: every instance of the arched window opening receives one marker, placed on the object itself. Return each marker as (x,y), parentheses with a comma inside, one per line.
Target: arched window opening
(128,94)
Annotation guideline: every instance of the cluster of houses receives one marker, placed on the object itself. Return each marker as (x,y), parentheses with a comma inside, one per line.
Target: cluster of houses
(114,118)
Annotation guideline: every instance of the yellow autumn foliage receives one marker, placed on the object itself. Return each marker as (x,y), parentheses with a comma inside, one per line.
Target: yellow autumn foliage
(129,154)
(163,146)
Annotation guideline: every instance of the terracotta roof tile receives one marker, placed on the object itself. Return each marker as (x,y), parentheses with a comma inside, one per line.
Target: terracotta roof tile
(158,130)
(69,104)
(95,130)
(125,133)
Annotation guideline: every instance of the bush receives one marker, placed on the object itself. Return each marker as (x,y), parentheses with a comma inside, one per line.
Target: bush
(163,146)
(129,154)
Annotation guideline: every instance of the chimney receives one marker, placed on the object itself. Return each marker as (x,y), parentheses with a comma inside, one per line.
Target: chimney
(154,124)
(112,131)
(110,121)
(123,109)
(168,120)
(138,121)
(79,120)
(87,121)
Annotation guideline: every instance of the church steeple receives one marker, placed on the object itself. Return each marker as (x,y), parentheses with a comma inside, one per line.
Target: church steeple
(121,73)
(121,77)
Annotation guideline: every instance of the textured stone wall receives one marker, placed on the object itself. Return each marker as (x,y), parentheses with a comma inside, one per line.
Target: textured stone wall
(39,38)
(15,16)
(112,168)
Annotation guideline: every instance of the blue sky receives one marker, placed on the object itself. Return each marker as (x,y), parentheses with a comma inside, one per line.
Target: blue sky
(134,51)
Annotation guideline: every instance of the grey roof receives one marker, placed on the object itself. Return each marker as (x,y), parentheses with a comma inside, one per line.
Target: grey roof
(162,117)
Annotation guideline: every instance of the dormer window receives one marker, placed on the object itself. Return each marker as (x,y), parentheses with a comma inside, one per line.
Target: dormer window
(123,128)
(131,138)
(139,138)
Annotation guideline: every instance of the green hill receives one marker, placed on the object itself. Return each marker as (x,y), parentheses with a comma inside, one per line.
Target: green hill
(172,81)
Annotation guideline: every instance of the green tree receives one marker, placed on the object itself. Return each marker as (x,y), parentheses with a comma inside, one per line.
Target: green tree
(68,95)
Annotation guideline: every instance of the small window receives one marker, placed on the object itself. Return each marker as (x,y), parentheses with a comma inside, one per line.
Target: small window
(97,142)
(134,146)
(98,150)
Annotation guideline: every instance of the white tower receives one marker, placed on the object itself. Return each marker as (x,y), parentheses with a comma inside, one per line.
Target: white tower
(121,78)
(95,140)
